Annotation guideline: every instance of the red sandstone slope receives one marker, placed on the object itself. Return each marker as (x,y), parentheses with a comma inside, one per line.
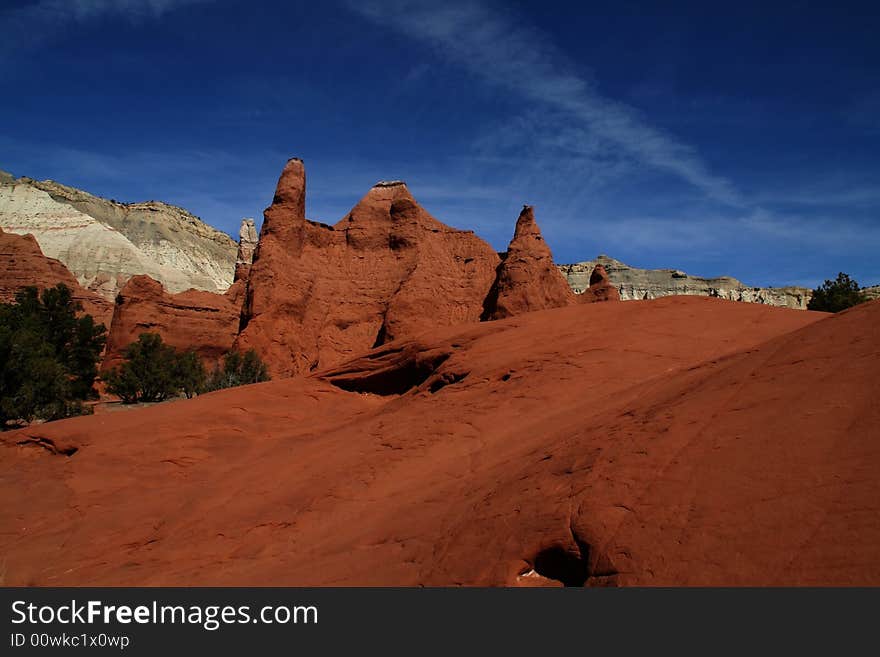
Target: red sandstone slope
(612,443)
(22,264)
(319,294)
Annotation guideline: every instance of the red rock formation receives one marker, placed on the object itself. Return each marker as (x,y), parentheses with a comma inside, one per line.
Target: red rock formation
(194,319)
(517,453)
(527,279)
(23,264)
(318,294)
(601,288)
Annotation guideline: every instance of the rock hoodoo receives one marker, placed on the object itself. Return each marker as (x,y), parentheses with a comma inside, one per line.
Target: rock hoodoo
(247,244)
(527,279)
(318,294)
(601,288)
(23,264)
(203,321)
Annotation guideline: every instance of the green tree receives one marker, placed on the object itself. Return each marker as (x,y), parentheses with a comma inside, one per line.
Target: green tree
(191,376)
(153,372)
(837,295)
(238,370)
(149,373)
(48,356)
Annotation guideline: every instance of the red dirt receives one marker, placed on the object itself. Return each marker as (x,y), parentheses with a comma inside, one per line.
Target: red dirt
(683,441)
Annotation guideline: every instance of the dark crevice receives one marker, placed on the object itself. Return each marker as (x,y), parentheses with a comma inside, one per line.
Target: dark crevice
(569,564)
(381,336)
(394,379)
(446,379)
(490,303)
(562,565)
(49,445)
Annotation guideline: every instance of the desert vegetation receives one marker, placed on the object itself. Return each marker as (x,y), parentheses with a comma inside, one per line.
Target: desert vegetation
(48,356)
(834,296)
(154,371)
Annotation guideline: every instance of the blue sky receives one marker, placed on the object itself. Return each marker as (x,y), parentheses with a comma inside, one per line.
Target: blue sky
(740,139)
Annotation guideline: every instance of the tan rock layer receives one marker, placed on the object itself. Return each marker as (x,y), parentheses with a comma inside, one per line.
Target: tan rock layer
(247,244)
(640,284)
(104,242)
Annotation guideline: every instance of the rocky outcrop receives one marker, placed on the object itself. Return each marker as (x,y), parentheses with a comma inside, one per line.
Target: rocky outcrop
(23,264)
(195,319)
(103,243)
(247,244)
(526,279)
(642,444)
(872,292)
(637,284)
(601,288)
(318,294)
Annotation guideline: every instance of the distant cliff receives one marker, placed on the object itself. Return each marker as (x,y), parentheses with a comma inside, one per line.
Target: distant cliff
(633,283)
(104,243)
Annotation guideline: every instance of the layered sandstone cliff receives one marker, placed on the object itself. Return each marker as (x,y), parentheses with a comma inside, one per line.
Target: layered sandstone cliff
(203,321)
(318,294)
(633,284)
(22,264)
(103,243)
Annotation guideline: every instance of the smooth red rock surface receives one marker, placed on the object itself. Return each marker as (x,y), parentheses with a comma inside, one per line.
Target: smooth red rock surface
(527,279)
(683,441)
(194,319)
(23,264)
(319,294)
(601,288)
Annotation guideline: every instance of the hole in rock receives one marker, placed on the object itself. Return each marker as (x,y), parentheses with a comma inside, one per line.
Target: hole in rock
(395,378)
(564,566)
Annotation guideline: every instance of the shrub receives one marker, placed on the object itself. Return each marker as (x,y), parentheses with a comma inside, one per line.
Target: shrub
(238,370)
(149,373)
(834,296)
(191,374)
(154,371)
(48,356)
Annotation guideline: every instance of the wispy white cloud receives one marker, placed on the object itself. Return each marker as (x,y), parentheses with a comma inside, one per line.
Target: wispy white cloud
(33,24)
(845,196)
(758,226)
(492,44)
